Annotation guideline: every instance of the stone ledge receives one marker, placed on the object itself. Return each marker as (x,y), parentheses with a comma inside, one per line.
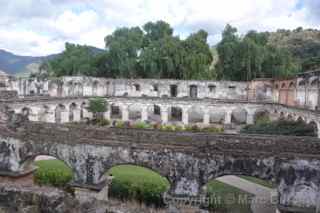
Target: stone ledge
(286,209)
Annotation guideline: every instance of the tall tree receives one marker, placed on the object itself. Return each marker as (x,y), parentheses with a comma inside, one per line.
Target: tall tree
(123,47)
(198,57)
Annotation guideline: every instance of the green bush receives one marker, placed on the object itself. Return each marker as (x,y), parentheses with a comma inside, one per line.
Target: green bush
(120,124)
(137,183)
(281,127)
(101,122)
(213,129)
(53,173)
(141,125)
(167,127)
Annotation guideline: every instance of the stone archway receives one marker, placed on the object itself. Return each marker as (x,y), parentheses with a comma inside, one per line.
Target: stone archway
(239,116)
(195,115)
(116,111)
(73,112)
(135,112)
(43,114)
(154,113)
(175,114)
(60,113)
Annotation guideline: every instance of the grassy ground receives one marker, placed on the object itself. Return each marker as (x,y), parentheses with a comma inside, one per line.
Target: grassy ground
(258,181)
(52,172)
(226,198)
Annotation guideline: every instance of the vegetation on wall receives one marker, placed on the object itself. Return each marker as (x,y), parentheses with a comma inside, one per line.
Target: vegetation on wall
(153,51)
(97,106)
(281,127)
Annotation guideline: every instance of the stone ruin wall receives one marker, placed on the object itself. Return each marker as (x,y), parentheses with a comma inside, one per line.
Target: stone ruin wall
(301,91)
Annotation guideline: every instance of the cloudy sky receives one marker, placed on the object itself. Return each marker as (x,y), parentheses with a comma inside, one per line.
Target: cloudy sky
(41,27)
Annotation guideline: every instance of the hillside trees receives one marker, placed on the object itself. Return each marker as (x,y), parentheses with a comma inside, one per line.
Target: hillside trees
(249,57)
(75,60)
(153,51)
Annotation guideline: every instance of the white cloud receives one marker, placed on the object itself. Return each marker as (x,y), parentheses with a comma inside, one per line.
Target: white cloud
(39,27)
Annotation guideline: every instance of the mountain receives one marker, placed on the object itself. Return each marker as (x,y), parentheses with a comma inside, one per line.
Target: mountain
(15,64)
(24,65)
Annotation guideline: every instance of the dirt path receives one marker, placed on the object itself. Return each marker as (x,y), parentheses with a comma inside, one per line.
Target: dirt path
(261,203)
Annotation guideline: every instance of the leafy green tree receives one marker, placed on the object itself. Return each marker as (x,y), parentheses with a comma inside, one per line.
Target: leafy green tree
(97,106)
(75,60)
(249,57)
(123,48)
(198,57)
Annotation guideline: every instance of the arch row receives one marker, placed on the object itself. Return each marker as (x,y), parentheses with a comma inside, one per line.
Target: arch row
(168,113)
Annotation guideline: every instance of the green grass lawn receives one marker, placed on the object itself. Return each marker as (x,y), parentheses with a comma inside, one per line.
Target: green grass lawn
(258,181)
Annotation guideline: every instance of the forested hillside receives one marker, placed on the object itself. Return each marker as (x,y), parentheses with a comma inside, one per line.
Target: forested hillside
(154,52)
(303,44)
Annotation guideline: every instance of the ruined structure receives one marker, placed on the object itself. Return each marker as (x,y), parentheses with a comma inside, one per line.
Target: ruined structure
(187,160)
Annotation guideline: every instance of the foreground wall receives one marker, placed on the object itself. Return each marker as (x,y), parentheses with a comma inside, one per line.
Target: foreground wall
(187,160)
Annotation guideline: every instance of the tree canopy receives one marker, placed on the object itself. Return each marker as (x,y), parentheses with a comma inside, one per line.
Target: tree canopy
(153,51)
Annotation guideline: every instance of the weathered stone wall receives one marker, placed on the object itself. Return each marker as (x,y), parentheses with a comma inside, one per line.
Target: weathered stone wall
(5,94)
(187,160)
(207,111)
(301,91)
(35,199)
(89,86)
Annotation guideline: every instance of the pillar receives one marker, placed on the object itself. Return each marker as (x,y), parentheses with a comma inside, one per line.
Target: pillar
(125,113)
(206,117)
(144,113)
(185,115)
(87,114)
(250,118)
(107,114)
(34,116)
(318,128)
(64,116)
(76,115)
(50,117)
(164,114)
(227,118)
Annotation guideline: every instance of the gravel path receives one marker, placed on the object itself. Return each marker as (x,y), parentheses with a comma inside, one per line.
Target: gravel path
(261,203)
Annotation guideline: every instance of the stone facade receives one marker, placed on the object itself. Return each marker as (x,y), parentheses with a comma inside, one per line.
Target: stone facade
(301,91)
(203,112)
(187,160)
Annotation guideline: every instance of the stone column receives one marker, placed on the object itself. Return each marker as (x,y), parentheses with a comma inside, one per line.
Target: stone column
(125,113)
(64,117)
(206,116)
(318,128)
(107,114)
(50,117)
(34,116)
(76,115)
(227,118)
(250,118)
(144,113)
(164,114)
(185,115)
(87,114)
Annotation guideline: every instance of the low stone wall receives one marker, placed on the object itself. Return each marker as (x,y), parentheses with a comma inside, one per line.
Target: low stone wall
(4,94)
(34,199)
